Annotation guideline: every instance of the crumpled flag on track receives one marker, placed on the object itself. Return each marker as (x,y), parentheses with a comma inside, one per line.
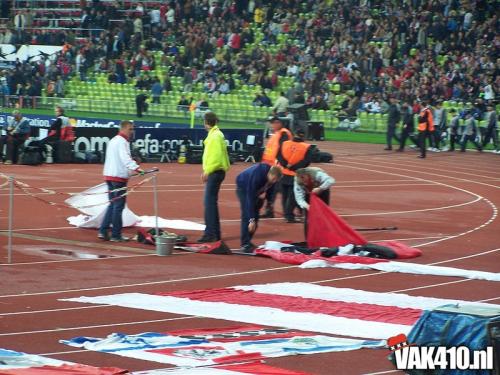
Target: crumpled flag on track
(92,206)
(253,368)
(272,250)
(278,251)
(18,363)
(351,263)
(301,306)
(207,347)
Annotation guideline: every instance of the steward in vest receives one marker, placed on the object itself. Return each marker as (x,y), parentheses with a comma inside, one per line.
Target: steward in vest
(60,130)
(425,127)
(293,155)
(280,135)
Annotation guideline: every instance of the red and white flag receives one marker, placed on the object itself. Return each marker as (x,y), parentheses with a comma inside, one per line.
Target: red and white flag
(302,306)
(254,368)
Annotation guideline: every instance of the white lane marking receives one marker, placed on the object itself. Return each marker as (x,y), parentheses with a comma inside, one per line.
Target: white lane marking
(97,326)
(149,283)
(79,260)
(488,222)
(51,310)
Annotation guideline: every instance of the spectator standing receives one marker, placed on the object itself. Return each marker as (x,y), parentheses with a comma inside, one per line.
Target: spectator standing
(281,105)
(156,91)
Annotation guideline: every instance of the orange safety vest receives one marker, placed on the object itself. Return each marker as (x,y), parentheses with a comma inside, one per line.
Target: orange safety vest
(425,120)
(273,146)
(293,152)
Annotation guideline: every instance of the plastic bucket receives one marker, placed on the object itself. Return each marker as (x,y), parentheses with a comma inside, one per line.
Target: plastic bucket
(165,245)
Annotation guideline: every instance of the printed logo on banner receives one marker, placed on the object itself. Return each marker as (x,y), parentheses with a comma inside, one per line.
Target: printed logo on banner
(408,356)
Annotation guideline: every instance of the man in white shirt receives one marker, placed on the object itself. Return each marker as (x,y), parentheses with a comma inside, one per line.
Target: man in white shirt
(117,168)
(281,105)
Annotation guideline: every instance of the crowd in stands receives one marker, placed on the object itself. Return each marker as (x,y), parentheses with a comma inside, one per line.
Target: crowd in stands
(414,49)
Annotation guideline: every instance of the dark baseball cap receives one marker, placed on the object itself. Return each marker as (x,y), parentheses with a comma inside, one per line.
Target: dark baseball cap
(274,119)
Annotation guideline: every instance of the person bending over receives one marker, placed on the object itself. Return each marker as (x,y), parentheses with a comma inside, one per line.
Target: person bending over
(251,187)
(309,181)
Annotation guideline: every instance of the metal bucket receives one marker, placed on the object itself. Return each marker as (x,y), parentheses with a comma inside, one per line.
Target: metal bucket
(165,244)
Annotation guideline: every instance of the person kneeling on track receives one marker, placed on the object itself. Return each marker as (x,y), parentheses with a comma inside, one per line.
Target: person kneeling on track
(251,187)
(309,181)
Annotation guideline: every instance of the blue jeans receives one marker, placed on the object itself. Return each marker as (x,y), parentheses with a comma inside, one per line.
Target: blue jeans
(114,212)
(210,201)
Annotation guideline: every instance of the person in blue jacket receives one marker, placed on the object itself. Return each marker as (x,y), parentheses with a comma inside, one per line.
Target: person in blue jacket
(251,186)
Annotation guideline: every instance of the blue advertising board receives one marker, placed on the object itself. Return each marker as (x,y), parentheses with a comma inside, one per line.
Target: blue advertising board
(151,137)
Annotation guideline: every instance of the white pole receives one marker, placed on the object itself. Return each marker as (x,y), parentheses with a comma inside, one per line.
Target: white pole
(155,203)
(11,214)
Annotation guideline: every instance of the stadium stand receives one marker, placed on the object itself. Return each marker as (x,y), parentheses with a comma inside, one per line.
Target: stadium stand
(342,58)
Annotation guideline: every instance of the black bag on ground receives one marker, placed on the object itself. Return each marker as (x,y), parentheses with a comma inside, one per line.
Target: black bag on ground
(31,155)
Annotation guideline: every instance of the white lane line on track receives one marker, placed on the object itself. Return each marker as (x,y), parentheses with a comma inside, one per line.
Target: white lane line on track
(150,283)
(488,222)
(489,299)
(79,260)
(52,310)
(201,189)
(388,164)
(97,326)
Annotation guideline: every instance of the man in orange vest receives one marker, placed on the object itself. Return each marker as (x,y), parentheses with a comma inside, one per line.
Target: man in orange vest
(425,127)
(279,135)
(293,155)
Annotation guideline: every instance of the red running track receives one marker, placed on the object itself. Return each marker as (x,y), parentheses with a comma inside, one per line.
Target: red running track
(445,204)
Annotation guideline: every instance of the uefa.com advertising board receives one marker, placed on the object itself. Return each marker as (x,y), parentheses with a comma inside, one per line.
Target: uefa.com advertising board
(93,134)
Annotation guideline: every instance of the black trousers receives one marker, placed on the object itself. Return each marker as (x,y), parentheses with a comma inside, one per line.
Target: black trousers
(3,143)
(391,133)
(14,146)
(491,134)
(422,136)
(454,138)
(471,138)
(271,196)
(288,199)
(405,134)
(245,235)
(211,203)
(325,197)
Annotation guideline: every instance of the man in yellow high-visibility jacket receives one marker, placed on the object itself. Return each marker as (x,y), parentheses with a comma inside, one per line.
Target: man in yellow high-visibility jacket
(215,166)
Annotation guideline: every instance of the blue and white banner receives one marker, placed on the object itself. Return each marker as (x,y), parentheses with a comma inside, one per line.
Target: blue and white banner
(206,347)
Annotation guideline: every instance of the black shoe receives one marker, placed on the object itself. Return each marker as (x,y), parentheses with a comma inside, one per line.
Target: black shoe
(248,248)
(206,239)
(400,149)
(292,220)
(421,156)
(267,215)
(119,239)
(103,236)
(388,149)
